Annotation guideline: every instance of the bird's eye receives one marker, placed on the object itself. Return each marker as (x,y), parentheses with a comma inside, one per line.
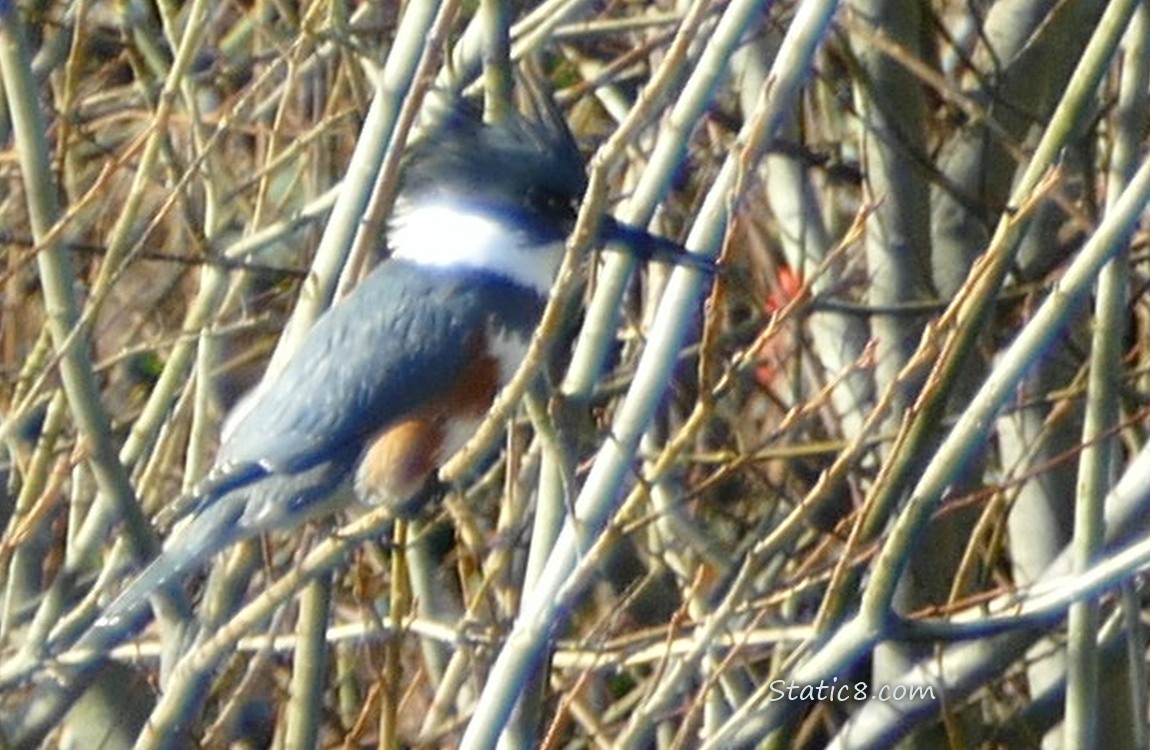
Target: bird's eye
(549,202)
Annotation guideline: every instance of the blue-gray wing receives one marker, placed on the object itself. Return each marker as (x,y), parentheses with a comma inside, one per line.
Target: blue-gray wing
(399,340)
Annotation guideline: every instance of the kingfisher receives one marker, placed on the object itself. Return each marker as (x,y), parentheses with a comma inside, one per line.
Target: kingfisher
(394,377)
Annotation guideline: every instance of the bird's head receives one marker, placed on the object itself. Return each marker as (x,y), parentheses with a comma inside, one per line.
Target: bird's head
(499,197)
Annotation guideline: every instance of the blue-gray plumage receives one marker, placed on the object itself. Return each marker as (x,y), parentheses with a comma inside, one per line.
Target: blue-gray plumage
(377,356)
(365,366)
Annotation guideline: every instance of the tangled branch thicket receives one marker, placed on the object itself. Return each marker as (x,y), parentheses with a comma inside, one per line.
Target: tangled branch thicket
(881,476)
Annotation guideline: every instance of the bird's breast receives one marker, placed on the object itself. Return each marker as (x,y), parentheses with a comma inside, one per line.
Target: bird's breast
(398,462)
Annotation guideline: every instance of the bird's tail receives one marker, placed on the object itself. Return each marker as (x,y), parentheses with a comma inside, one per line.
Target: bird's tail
(189,547)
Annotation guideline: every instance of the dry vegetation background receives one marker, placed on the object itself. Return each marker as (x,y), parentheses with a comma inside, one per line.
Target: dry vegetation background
(896,441)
